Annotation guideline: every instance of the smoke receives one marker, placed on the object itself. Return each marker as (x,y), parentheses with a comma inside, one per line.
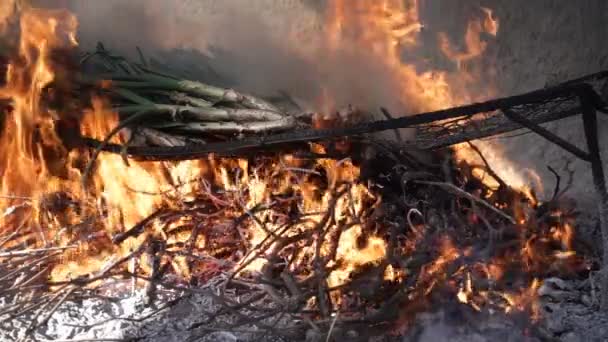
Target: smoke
(7,27)
(249,43)
(6,11)
(263,46)
(269,47)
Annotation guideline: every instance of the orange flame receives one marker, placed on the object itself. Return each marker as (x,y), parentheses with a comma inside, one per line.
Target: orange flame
(34,162)
(490,23)
(475,46)
(382,29)
(29,129)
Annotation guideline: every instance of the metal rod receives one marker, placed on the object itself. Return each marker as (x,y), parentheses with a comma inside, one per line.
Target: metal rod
(591,134)
(310,135)
(545,133)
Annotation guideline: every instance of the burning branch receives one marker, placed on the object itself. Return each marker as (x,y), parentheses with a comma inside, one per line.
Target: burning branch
(459,192)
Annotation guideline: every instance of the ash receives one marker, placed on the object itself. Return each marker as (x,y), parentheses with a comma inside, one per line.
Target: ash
(568,313)
(173,316)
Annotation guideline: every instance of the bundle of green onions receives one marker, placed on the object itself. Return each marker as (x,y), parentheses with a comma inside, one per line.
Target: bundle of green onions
(156,108)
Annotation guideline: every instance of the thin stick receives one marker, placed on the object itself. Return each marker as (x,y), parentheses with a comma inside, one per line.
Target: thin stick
(34,251)
(489,169)
(56,306)
(331,327)
(16,197)
(14,233)
(31,279)
(34,322)
(89,168)
(142,59)
(458,191)
(31,264)
(558,180)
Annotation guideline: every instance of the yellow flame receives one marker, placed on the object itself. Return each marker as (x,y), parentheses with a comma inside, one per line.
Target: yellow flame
(33,161)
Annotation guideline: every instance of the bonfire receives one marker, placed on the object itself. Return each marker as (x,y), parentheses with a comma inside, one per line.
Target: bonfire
(122,179)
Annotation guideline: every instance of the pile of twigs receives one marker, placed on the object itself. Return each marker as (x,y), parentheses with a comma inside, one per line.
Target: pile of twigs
(444,231)
(164,110)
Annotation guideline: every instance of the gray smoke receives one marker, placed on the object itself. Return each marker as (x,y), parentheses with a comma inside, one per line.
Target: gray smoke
(264,46)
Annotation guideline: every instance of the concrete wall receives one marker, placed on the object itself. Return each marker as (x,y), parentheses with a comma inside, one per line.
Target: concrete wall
(543,42)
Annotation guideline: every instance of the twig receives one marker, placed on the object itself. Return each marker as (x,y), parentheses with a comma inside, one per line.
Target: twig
(13,234)
(138,228)
(557,183)
(154,250)
(26,198)
(89,168)
(291,284)
(409,217)
(502,184)
(52,311)
(34,251)
(133,269)
(458,191)
(331,327)
(160,309)
(84,280)
(323,301)
(142,59)
(34,322)
(31,264)
(31,279)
